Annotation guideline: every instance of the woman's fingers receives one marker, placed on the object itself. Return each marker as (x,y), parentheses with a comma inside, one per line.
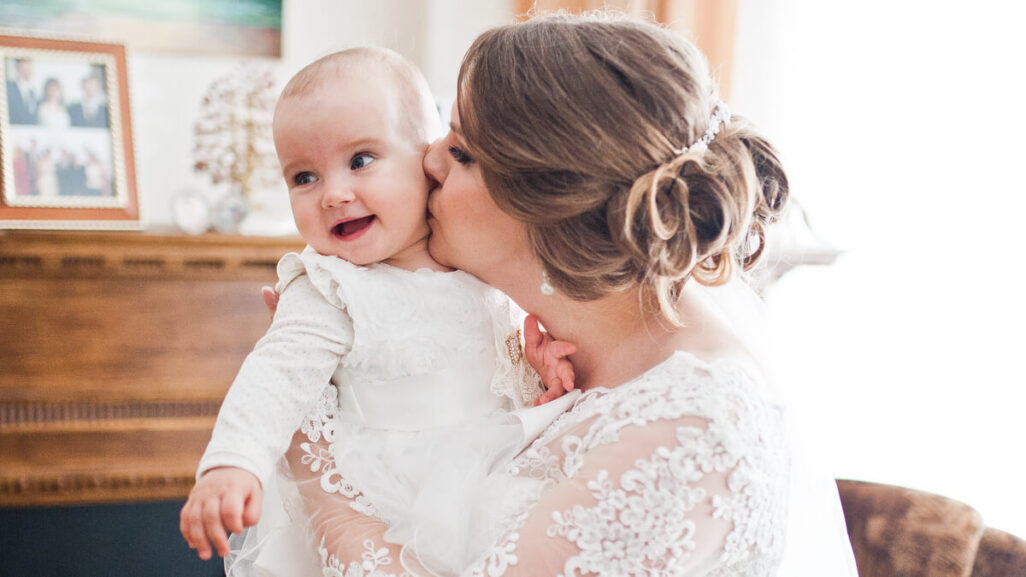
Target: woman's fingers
(270,297)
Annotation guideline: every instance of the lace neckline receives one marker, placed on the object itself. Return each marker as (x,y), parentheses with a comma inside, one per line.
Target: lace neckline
(423,271)
(678,355)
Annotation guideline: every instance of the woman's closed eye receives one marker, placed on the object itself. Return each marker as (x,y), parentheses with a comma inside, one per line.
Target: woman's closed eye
(361,160)
(460,155)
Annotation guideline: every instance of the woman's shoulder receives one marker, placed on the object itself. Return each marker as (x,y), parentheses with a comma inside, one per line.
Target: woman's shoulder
(684,402)
(699,440)
(684,386)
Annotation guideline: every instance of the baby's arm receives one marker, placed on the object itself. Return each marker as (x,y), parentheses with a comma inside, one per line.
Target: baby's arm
(549,359)
(223,498)
(276,386)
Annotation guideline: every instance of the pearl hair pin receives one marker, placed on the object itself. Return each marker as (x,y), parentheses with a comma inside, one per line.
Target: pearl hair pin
(720,118)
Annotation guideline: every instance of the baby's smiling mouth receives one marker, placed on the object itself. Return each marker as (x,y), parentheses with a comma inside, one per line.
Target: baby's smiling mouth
(352,228)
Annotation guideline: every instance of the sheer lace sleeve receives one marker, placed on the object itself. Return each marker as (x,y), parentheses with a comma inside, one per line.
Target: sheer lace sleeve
(653,479)
(345,532)
(279,381)
(682,472)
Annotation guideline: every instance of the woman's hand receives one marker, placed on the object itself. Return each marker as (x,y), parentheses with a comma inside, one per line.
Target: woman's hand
(270,299)
(549,358)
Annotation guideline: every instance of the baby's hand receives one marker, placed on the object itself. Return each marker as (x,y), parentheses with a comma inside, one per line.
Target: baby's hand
(223,498)
(549,358)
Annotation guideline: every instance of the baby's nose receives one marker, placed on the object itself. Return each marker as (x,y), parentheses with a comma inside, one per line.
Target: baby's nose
(336,196)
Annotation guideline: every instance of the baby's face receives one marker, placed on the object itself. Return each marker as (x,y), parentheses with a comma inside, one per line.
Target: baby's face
(355,174)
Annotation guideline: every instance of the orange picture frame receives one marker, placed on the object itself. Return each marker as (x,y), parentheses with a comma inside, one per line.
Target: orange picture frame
(66,152)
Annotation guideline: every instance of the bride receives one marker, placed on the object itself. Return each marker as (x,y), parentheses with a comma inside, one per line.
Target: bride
(593,175)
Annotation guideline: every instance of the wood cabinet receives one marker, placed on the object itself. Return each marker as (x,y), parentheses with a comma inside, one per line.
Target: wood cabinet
(115,352)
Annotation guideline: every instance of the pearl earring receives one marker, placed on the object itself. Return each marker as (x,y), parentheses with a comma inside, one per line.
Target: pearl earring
(546,288)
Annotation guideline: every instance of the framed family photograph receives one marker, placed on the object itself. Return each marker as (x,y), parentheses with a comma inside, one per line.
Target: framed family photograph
(65,135)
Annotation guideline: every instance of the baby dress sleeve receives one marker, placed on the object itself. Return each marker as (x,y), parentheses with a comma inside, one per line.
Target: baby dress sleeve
(282,378)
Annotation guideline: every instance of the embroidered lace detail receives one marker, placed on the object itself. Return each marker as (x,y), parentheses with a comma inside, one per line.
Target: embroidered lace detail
(643,522)
(320,424)
(320,420)
(373,565)
(407,322)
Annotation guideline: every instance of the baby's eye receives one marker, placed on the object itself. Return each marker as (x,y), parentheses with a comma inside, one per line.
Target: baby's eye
(302,178)
(460,155)
(361,161)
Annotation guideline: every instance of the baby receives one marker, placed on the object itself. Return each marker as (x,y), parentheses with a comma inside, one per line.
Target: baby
(407,344)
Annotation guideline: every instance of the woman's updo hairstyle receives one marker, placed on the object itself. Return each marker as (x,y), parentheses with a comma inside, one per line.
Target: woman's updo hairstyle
(578,123)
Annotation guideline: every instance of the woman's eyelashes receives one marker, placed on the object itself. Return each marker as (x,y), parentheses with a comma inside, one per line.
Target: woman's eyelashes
(460,155)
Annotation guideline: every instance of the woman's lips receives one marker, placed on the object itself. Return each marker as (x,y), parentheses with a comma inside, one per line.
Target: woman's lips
(353,229)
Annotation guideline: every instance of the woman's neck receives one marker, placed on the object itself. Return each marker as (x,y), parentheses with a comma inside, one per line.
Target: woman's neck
(617,337)
(615,340)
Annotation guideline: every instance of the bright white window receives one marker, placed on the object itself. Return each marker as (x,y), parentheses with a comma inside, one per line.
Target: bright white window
(903,126)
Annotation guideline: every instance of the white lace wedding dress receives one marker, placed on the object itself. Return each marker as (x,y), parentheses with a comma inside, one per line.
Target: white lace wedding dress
(682,471)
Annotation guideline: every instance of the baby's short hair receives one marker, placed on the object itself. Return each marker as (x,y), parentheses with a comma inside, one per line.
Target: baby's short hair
(419,112)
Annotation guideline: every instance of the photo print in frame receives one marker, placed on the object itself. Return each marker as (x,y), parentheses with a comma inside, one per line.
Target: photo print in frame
(66,156)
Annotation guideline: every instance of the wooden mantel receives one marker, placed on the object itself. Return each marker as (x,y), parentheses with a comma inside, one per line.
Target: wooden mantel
(116,349)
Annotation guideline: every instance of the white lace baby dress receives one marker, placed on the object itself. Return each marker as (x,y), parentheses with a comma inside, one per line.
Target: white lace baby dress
(423,353)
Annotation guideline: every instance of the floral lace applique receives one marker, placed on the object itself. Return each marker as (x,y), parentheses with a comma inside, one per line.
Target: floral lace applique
(640,525)
(373,565)
(320,424)
(321,420)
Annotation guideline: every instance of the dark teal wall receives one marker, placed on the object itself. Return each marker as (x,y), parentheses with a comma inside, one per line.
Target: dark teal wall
(138,540)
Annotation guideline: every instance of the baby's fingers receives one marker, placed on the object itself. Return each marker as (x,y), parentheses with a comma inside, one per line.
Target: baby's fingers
(231,512)
(548,395)
(561,349)
(192,528)
(214,529)
(532,332)
(188,523)
(251,514)
(565,374)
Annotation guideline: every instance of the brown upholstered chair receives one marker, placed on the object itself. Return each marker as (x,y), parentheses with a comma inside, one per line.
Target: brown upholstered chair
(899,532)
(1000,555)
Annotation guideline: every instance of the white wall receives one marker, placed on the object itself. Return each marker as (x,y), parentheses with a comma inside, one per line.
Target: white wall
(901,123)
(166,91)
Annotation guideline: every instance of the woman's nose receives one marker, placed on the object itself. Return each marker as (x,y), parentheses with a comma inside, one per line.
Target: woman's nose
(435,165)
